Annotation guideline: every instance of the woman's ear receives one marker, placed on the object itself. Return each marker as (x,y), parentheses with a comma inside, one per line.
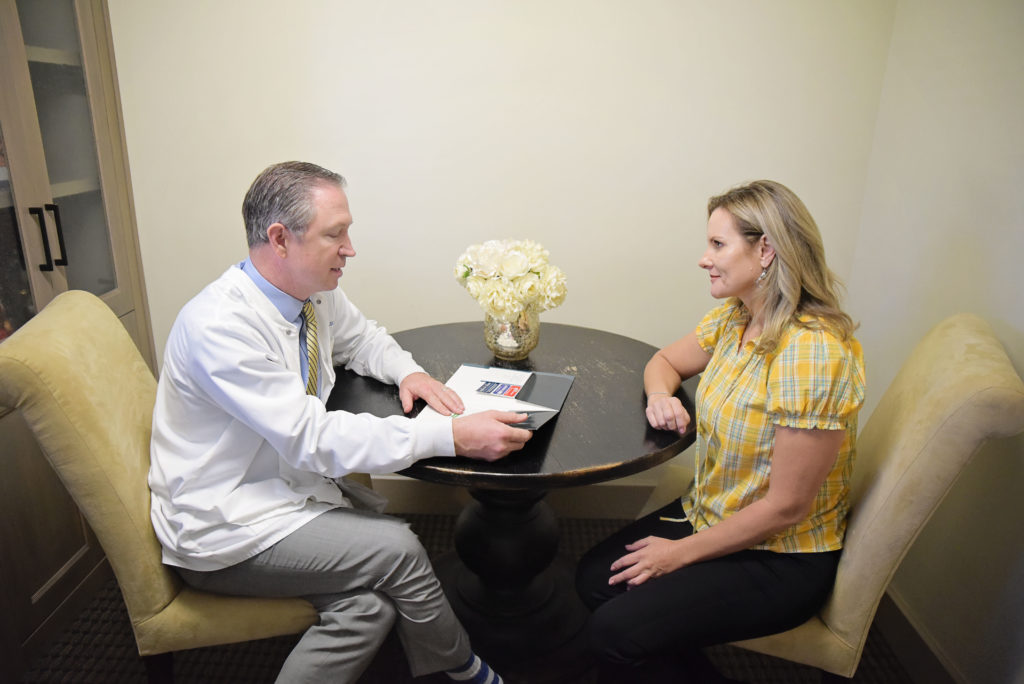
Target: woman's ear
(767,251)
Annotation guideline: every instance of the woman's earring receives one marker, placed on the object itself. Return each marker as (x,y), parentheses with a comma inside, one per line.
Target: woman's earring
(764,274)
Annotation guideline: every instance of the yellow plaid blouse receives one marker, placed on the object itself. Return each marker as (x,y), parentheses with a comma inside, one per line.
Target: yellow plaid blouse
(811,380)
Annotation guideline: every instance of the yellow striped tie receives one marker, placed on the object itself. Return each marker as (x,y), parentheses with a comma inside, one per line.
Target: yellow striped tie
(312,348)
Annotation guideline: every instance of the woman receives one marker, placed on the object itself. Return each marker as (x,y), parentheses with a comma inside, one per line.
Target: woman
(751,549)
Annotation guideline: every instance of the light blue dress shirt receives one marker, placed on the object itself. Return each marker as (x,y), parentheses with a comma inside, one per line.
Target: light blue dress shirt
(290,308)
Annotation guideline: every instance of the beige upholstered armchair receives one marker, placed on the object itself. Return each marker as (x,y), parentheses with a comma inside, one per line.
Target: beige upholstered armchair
(957,390)
(88,397)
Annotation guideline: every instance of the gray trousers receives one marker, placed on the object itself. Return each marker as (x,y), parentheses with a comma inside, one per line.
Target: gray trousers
(365,572)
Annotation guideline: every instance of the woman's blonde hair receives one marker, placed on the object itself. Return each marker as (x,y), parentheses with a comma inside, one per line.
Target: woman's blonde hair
(798,282)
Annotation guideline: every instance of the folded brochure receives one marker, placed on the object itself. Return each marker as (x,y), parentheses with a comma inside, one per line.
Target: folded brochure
(486,388)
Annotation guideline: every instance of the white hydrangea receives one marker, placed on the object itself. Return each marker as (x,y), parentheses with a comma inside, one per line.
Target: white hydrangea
(552,288)
(508,277)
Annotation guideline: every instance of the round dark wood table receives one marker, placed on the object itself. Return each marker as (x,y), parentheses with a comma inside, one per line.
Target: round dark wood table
(513,595)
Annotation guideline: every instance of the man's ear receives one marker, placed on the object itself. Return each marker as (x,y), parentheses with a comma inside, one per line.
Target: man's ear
(278,237)
(767,252)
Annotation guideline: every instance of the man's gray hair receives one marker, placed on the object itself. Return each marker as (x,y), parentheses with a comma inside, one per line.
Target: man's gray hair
(283,193)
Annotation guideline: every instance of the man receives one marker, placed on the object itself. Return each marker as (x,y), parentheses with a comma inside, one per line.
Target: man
(247,495)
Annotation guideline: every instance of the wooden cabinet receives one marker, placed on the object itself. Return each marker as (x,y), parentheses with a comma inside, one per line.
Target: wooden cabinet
(66,222)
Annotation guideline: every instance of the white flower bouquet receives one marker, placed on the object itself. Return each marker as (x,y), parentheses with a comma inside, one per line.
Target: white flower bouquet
(511,277)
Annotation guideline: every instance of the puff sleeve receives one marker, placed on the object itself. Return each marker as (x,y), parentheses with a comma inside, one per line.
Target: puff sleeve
(715,323)
(815,381)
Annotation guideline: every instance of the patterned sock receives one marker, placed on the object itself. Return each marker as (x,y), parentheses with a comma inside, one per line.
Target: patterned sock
(475,671)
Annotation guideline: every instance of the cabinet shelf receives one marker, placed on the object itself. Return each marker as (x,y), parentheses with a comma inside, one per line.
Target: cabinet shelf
(57,190)
(74,187)
(41,55)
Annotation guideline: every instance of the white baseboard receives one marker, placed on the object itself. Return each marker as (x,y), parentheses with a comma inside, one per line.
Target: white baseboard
(619,499)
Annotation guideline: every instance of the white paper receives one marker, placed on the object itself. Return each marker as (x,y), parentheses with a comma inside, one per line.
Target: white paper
(468,378)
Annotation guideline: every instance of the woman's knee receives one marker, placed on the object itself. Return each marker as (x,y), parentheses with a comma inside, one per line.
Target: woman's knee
(592,576)
(614,641)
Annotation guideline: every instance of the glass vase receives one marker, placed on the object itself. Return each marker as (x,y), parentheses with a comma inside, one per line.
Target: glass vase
(512,340)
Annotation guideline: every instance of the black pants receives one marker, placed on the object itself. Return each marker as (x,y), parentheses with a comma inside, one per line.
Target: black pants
(740,596)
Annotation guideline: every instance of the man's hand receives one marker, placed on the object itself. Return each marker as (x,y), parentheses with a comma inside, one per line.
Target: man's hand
(438,396)
(489,435)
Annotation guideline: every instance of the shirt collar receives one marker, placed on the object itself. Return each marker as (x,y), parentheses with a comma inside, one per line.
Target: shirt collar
(289,306)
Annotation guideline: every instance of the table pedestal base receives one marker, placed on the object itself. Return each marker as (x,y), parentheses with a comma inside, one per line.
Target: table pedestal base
(516,601)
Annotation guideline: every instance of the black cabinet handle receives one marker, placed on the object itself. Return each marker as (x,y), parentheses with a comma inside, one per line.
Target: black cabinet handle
(63,260)
(38,213)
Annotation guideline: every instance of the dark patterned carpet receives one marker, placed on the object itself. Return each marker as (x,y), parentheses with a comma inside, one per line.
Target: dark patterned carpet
(98,647)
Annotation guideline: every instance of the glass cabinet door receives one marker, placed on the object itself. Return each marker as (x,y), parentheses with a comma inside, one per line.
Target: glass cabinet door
(16,305)
(77,214)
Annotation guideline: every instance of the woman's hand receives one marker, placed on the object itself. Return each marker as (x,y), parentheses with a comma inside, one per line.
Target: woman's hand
(648,558)
(666,412)
(668,367)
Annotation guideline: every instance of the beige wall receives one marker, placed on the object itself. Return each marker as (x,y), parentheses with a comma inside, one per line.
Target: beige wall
(600,129)
(943,232)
